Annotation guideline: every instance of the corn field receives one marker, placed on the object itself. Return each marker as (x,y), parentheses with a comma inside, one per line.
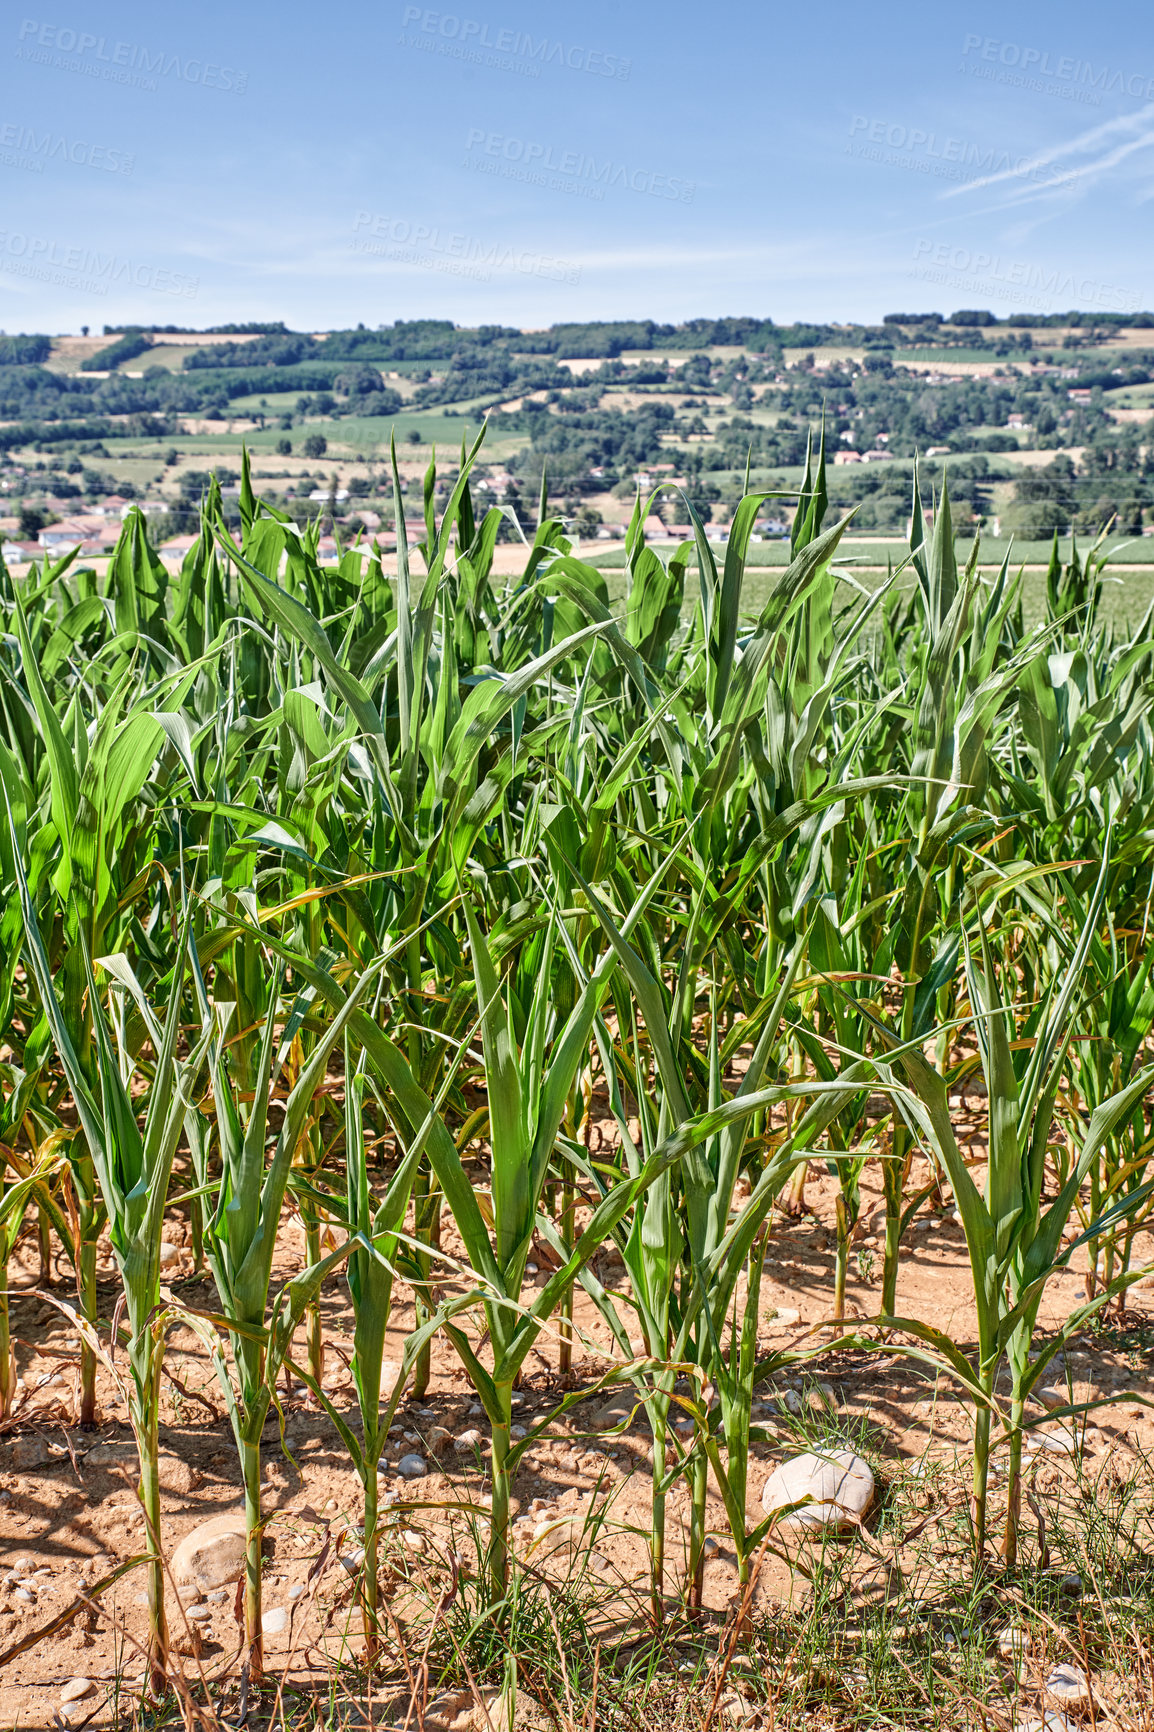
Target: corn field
(354,899)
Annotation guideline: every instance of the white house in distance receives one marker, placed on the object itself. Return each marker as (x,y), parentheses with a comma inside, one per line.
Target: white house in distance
(90,534)
(498,483)
(19,552)
(176,547)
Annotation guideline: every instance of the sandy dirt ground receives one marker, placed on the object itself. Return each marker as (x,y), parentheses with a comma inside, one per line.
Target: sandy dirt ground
(68,1512)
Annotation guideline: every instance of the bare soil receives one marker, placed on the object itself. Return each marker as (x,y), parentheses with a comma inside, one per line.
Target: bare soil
(69,1516)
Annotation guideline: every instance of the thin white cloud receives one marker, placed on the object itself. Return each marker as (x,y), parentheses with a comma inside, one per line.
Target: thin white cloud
(1024,174)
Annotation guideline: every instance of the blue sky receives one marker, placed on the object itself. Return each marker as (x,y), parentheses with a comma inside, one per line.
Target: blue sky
(520,164)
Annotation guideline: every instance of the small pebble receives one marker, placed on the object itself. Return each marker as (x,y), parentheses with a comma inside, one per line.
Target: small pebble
(1050,1397)
(1064,1441)
(412,1467)
(76,1689)
(1068,1683)
(29,1452)
(275,1620)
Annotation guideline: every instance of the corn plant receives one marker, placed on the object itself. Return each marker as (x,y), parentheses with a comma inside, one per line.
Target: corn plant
(378,1246)
(1117,1016)
(240,1237)
(1015,1241)
(25,1178)
(95,867)
(133,1160)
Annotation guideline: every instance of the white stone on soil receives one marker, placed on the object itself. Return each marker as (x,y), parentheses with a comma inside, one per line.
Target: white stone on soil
(29,1452)
(1068,1683)
(1050,1397)
(1065,1439)
(838,1482)
(176,1475)
(212,1554)
(555,1535)
(617,1409)
(274,1621)
(110,1455)
(76,1689)
(412,1467)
